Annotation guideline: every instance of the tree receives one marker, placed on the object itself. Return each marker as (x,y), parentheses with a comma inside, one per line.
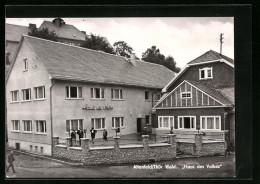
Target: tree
(7,60)
(97,43)
(123,49)
(153,55)
(44,33)
(171,64)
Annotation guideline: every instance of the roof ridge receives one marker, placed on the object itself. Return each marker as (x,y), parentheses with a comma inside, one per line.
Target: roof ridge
(221,55)
(198,56)
(72,46)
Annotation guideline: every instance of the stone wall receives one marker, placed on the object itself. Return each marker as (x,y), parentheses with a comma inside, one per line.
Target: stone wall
(200,147)
(117,154)
(186,147)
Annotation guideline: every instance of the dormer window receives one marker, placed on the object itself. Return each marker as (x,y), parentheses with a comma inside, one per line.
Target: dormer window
(206,73)
(25,64)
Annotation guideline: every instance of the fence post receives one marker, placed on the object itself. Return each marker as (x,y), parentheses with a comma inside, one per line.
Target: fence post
(68,142)
(55,140)
(84,144)
(198,144)
(116,143)
(172,141)
(145,141)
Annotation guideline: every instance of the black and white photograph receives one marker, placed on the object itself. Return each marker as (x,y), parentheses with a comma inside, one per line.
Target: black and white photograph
(120,97)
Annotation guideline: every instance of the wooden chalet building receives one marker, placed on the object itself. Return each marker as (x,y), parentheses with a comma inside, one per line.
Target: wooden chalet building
(200,97)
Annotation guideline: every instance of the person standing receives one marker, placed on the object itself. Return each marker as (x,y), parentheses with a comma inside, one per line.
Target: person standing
(105,136)
(93,134)
(73,137)
(80,132)
(10,159)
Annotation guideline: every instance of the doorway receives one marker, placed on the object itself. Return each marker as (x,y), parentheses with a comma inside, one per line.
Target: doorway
(139,125)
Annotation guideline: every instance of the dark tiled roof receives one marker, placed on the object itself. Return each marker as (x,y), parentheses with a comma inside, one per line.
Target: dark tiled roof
(65,31)
(15,32)
(229,94)
(210,90)
(209,56)
(73,63)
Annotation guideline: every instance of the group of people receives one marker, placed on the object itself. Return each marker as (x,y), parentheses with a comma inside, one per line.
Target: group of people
(93,132)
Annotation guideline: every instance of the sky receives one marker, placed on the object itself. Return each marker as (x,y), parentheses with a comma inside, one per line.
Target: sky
(183,38)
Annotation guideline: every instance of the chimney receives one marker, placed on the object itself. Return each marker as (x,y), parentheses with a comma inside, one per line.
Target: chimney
(32,26)
(132,58)
(84,32)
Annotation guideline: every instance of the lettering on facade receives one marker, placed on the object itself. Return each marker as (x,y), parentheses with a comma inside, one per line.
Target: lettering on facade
(100,107)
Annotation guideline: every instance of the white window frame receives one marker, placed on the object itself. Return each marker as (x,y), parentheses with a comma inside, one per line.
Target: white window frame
(25,61)
(206,73)
(186,93)
(93,94)
(147,91)
(71,124)
(169,120)
(102,120)
(182,117)
(23,93)
(120,94)
(69,95)
(214,123)
(37,122)
(13,126)
(36,90)
(26,131)
(121,122)
(12,96)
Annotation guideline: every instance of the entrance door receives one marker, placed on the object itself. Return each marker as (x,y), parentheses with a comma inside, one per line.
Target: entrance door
(139,124)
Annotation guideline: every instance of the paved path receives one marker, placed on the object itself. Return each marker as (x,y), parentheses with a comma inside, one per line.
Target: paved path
(32,167)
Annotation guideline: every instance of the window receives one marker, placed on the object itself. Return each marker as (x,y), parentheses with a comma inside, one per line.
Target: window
(147,120)
(73,92)
(39,92)
(157,97)
(165,122)
(27,126)
(36,149)
(210,123)
(75,124)
(146,95)
(118,122)
(31,148)
(16,125)
(206,73)
(41,126)
(186,122)
(98,123)
(97,93)
(116,94)
(26,94)
(15,96)
(25,64)
(41,150)
(186,95)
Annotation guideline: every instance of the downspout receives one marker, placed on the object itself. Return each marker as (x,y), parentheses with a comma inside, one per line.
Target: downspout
(53,82)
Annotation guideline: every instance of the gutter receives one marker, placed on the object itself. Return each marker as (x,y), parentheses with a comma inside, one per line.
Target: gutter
(53,82)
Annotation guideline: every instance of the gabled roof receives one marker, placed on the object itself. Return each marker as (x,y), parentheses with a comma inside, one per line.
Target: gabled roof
(15,32)
(209,57)
(218,95)
(64,31)
(72,63)
(213,92)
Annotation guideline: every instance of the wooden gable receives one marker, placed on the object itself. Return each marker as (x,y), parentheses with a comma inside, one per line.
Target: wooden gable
(187,95)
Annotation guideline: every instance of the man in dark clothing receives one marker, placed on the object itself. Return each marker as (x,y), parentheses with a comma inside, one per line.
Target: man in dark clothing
(80,132)
(73,137)
(10,161)
(93,134)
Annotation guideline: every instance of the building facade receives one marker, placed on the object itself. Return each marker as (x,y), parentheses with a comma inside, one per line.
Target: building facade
(200,97)
(53,88)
